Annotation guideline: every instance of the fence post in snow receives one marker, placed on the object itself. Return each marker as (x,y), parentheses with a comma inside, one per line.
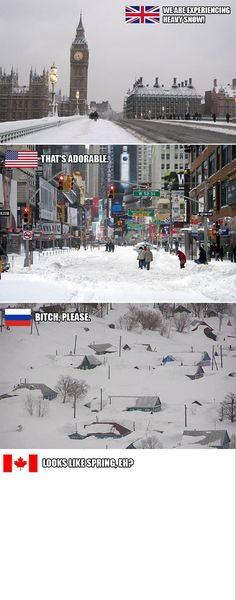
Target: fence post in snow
(221,357)
(101,399)
(120,347)
(75,344)
(185,416)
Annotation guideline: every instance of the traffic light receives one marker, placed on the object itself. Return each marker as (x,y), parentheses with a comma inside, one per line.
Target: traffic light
(26,215)
(111,193)
(61,183)
(69,183)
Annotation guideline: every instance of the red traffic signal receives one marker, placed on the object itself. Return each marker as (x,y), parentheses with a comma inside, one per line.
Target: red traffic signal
(111,193)
(26,215)
(61,182)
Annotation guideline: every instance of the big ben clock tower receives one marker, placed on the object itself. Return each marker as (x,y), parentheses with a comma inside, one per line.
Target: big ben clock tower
(79,58)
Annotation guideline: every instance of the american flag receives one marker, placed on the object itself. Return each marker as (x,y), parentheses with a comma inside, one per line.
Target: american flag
(142,14)
(27,159)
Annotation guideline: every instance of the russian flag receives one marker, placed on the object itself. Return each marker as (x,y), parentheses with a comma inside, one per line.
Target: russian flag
(20,463)
(18,317)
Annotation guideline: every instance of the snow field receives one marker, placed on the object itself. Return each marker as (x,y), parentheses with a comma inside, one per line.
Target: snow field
(44,358)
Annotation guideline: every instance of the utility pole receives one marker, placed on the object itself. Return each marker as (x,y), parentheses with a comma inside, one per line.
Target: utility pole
(205,212)
(171,222)
(185,416)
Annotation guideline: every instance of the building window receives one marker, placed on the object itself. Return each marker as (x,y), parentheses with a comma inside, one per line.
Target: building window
(223,193)
(176,165)
(218,158)
(199,175)
(233,152)
(193,179)
(224,155)
(168,166)
(210,199)
(212,164)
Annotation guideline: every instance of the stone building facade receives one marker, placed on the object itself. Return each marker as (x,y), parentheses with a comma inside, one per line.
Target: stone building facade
(158,101)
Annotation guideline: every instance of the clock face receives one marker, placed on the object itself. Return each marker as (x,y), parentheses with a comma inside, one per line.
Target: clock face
(78,55)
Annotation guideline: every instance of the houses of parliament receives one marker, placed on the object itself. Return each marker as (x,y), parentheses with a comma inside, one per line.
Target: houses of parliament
(32,102)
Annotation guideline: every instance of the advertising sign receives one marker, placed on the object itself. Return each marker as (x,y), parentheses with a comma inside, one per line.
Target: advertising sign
(72,216)
(47,200)
(8,200)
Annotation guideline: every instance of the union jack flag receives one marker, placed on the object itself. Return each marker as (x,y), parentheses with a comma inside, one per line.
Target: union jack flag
(142,14)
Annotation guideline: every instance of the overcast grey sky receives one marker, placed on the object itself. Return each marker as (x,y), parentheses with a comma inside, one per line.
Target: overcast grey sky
(38,33)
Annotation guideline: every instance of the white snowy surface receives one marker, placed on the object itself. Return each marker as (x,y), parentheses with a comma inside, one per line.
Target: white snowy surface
(44,358)
(81,130)
(99,276)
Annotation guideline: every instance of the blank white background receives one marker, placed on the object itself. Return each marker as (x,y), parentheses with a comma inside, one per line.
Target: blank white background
(163,529)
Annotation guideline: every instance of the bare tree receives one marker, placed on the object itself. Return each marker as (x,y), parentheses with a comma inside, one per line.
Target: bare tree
(63,387)
(181,321)
(151,441)
(77,389)
(233,441)
(29,404)
(228,407)
(36,406)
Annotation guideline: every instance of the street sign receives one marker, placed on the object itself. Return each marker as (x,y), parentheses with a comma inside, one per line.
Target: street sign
(141,213)
(27,235)
(146,193)
(4,212)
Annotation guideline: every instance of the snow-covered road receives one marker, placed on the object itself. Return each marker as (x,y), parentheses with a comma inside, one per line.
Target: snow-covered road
(83,131)
(98,276)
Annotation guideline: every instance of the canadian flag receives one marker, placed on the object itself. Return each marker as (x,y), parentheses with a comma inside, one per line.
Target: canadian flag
(20,463)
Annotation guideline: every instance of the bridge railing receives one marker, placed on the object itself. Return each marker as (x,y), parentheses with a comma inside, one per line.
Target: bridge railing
(20,131)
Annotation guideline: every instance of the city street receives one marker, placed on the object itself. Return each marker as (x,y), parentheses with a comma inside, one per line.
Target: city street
(99,276)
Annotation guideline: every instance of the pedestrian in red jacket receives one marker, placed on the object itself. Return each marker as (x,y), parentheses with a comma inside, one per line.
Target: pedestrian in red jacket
(182,258)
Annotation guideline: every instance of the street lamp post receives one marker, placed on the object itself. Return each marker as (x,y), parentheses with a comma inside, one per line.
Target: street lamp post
(53,77)
(77,102)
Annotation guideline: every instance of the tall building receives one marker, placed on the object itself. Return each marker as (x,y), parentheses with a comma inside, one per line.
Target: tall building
(22,102)
(79,60)
(213,188)
(144,163)
(221,100)
(158,101)
(167,157)
(32,102)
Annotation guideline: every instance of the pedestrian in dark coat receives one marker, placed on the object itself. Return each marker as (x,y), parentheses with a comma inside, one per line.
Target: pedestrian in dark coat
(202,256)
(221,253)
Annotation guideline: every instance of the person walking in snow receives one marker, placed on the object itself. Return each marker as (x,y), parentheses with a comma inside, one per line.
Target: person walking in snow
(141,257)
(182,258)
(202,260)
(148,257)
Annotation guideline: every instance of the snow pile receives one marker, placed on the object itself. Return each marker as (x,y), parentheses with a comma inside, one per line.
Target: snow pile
(99,276)
(114,386)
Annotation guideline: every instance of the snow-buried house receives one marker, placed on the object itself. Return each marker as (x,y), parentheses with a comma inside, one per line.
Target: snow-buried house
(89,362)
(216,438)
(146,404)
(47,392)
